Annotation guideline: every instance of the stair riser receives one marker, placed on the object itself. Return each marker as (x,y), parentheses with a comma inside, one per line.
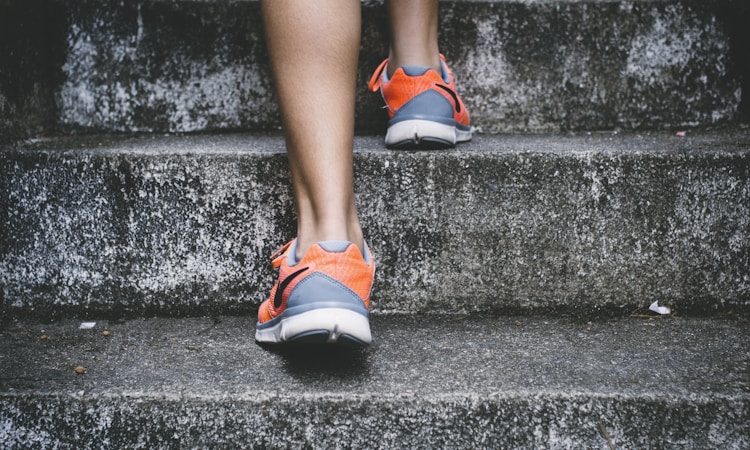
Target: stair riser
(539,66)
(512,421)
(576,232)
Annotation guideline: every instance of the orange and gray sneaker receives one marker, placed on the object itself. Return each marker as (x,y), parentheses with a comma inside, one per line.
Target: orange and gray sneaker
(424,110)
(322,298)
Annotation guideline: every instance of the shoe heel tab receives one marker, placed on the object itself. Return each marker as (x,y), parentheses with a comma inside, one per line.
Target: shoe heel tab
(334,246)
(279,254)
(415,71)
(374,83)
(342,246)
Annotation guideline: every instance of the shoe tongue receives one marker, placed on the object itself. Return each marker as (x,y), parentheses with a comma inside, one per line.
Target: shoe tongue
(415,71)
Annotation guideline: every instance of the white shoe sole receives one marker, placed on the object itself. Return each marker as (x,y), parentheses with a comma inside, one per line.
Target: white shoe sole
(424,133)
(324,325)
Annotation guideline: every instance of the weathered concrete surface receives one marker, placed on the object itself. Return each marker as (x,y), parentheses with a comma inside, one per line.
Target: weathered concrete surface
(185,66)
(521,66)
(578,225)
(594,65)
(32,51)
(184,224)
(459,383)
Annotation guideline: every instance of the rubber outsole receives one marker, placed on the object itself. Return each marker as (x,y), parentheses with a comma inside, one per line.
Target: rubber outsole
(318,326)
(323,337)
(421,144)
(421,134)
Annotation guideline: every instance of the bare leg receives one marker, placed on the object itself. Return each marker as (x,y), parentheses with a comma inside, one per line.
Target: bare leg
(314,48)
(414,34)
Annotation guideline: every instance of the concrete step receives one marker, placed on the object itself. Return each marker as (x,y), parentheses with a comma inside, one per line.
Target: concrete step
(536,66)
(598,224)
(426,382)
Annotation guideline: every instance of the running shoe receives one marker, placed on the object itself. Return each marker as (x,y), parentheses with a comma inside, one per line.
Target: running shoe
(424,110)
(322,298)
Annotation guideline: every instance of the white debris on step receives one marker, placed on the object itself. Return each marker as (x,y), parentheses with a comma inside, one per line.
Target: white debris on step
(659,309)
(87,325)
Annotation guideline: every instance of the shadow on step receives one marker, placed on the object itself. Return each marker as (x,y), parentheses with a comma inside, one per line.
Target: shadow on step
(311,362)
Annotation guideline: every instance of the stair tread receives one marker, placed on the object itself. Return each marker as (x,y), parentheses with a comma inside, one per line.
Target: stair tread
(430,356)
(426,382)
(731,139)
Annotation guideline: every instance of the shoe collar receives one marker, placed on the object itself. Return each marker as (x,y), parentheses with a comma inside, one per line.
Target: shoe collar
(289,250)
(381,73)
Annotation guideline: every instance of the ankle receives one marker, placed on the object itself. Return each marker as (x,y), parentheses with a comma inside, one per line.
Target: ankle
(308,237)
(392,67)
(425,58)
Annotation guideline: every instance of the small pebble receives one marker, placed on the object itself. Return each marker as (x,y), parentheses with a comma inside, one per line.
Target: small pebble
(105,333)
(518,323)
(80,370)
(43,337)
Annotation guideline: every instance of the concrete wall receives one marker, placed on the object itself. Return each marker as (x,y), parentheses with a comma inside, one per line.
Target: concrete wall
(521,66)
